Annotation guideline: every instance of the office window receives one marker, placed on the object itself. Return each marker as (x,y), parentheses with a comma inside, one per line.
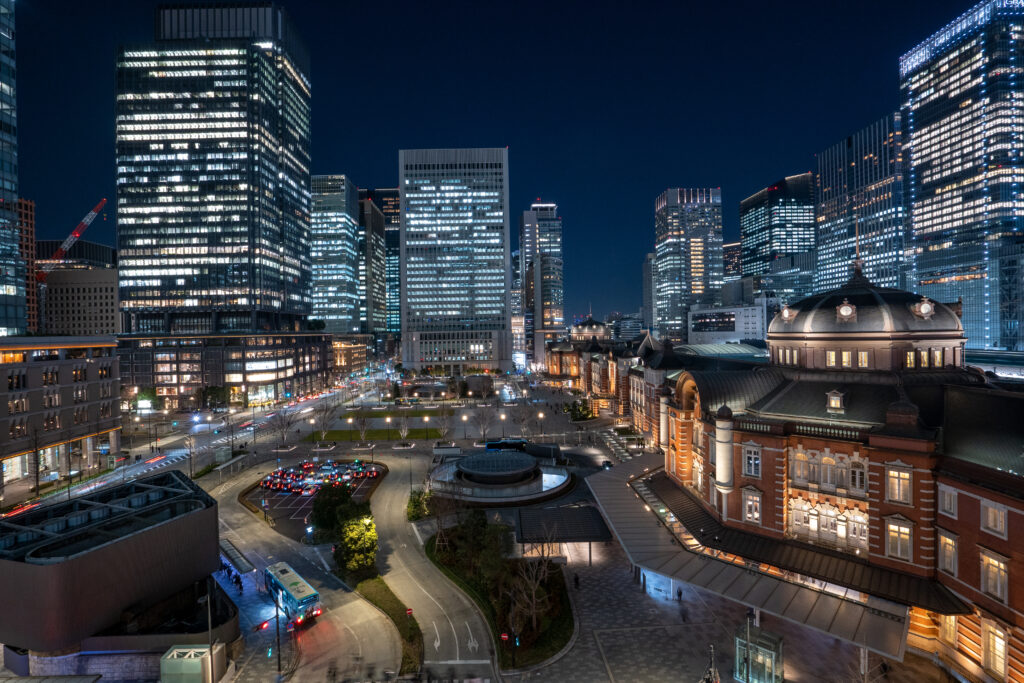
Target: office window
(862,359)
(994,649)
(898,489)
(993,518)
(947,501)
(899,539)
(947,628)
(994,574)
(752,506)
(830,359)
(947,552)
(752,461)
(910,360)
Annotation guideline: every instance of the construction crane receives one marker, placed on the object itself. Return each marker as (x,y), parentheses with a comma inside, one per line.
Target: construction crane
(42,272)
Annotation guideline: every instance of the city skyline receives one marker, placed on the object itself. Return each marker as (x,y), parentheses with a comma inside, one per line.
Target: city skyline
(550,155)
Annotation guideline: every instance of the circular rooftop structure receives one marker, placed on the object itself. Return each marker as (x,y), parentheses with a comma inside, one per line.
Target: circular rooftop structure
(498,467)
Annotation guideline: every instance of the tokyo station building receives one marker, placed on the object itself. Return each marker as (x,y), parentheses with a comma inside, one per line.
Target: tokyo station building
(867,482)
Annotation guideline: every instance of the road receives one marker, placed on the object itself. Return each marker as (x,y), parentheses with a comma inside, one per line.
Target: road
(456,640)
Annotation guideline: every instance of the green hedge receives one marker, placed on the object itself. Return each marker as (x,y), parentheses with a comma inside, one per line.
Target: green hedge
(378,592)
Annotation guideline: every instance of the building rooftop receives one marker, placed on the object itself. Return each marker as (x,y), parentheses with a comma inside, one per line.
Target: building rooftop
(60,531)
(55,342)
(744,350)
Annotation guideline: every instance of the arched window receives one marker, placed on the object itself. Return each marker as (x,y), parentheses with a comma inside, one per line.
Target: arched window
(828,473)
(813,470)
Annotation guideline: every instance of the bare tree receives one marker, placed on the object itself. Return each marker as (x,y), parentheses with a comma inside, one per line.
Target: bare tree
(325,414)
(521,416)
(529,586)
(445,423)
(281,423)
(403,426)
(362,424)
(484,417)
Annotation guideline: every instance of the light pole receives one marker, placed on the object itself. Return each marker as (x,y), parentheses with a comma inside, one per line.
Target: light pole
(540,416)
(426,419)
(502,416)
(388,421)
(231,426)
(209,624)
(464,419)
(350,437)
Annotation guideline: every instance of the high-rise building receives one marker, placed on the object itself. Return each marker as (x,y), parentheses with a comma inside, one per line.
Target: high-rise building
(390,204)
(372,268)
(518,320)
(334,251)
(647,291)
(541,267)
(777,221)
(859,207)
(27,248)
(688,254)
(732,261)
(81,301)
(213,181)
(13,315)
(455,259)
(962,113)
(82,254)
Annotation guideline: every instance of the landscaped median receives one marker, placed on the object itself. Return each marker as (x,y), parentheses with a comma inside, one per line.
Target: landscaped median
(351,437)
(377,592)
(525,599)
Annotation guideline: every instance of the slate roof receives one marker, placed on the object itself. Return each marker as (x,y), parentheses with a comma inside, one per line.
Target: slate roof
(820,563)
(566,524)
(863,403)
(737,388)
(985,427)
(745,350)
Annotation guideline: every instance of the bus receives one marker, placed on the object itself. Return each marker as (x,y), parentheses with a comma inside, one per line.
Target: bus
(293,594)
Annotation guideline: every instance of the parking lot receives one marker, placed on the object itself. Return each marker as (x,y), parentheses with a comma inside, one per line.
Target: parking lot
(287,511)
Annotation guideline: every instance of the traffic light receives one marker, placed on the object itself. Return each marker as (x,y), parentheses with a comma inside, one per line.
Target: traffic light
(174,424)
(265,625)
(517,641)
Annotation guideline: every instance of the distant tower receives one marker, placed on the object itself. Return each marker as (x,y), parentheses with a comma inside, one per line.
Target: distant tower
(541,271)
(775,222)
(647,289)
(334,250)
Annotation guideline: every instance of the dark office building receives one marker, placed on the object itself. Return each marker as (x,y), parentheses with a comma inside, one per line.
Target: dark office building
(13,314)
(213,180)
(372,266)
(390,204)
(732,260)
(775,222)
(82,254)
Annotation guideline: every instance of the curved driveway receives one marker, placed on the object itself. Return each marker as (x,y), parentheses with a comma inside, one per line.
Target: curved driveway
(456,640)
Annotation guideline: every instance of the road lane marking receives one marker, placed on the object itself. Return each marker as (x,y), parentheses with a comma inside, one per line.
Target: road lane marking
(437,637)
(416,531)
(449,662)
(472,643)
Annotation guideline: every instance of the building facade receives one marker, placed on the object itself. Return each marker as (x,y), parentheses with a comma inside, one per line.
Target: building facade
(27,248)
(349,356)
(541,267)
(82,254)
(732,261)
(12,267)
(389,201)
(775,222)
(60,407)
(860,207)
(688,254)
(213,219)
(455,259)
(647,291)
(334,252)
(729,324)
(82,301)
(961,109)
(372,269)
(256,369)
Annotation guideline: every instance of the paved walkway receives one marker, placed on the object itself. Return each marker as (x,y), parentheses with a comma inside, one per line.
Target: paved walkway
(626,635)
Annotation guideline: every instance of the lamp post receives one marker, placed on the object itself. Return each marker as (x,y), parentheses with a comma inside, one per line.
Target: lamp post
(350,437)
(231,426)
(464,419)
(540,416)
(426,419)
(388,421)
(502,416)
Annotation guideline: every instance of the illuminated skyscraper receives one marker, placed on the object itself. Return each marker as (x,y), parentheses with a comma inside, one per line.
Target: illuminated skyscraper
(213,182)
(543,288)
(732,261)
(963,116)
(775,222)
(688,254)
(12,268)
(389,202)
(859,201)
(334,252)
(372,284)
(455,259)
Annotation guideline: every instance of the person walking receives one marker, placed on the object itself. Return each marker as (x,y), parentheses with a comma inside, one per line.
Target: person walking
(576,581)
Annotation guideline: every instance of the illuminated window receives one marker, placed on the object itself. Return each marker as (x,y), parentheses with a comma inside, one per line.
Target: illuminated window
(752,506)
(947,628)
(994,648)
(752,461)
(899,540)
(862,359)
(800,469)
(830,359)
(835,402)
(937,358)
(993,518)
(910,360)
(847,359)
(924,358)
(993,575)
(947,552)
(898,488)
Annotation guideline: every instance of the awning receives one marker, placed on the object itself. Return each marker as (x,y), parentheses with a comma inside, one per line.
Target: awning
(878,625)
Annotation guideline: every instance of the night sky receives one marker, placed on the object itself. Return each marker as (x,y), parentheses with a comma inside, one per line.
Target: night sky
(602,105)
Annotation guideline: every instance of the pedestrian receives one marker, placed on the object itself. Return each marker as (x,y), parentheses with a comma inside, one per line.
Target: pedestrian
(679,594)
(576,581)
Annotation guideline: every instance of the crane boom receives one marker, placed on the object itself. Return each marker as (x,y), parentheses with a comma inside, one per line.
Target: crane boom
(69,242)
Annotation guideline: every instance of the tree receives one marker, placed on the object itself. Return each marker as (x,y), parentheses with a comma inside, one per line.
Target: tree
(281,423)
(324,414)
(333,507)
(362,424)
(445,423)
(529,589)
(356,551)
(403,426)
(522,415)
(214,396)
(483,418)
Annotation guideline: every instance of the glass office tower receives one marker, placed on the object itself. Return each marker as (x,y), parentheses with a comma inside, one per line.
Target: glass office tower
(732,261)
(372,267)
(543,287)
(389,201)
(334,253)
(12,267)
(688,255)
(455,259)
(213,181)
(963,116)
(775,222)
(859,205)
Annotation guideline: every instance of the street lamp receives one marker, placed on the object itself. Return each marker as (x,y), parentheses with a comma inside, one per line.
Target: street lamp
(426,419)
(540,416)
(350,429)
(502,416)
(464,418)
(388,420)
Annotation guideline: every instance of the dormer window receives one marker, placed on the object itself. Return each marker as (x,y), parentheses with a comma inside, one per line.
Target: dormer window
(846,312)
(788,314)
(835,401)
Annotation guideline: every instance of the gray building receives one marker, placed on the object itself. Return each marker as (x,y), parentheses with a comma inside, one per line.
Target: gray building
(13,311)
(213,219)
(389,201)
(59,406)
(543,280)
(455,259)
(688,255)
(647,291)
(82,254)
(961,95)
(859,206)
(81,301)
(372,269)
(334,252)
(775,222)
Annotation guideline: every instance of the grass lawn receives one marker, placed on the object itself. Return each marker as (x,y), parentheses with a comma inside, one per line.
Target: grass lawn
(343,436)
(392,412)
(377,592)
(625,431)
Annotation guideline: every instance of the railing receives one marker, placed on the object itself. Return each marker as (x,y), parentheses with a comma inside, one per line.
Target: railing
(829,431)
